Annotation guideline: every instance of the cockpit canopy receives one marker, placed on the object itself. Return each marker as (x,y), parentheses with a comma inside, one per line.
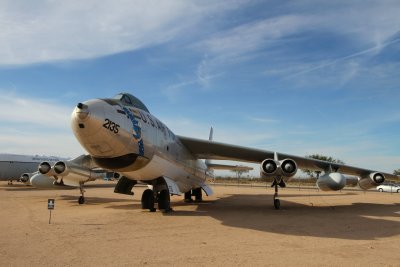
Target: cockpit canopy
(130,100)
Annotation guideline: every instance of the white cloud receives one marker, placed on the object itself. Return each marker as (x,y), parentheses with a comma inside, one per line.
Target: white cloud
(36,126)
(40,143)
(367,28)
(237,42)
(30,111)
(43,31)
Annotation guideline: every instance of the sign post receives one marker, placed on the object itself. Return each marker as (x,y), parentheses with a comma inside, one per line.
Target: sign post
(50,206)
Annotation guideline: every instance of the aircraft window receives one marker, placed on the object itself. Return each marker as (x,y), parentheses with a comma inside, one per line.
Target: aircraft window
(130,100)
(126,100)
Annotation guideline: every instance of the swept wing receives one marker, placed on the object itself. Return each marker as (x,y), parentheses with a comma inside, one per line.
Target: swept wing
(220,151)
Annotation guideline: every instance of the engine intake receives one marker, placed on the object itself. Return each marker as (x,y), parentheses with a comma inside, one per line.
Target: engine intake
(25,177)
(269,166)
(59,167)
(286,168)
(289,167)
(45,168)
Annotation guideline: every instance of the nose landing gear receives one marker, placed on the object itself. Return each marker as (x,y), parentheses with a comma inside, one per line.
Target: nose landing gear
(277,182)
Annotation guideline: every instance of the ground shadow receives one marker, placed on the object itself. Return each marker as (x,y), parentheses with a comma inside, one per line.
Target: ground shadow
(357,221)
(90,200)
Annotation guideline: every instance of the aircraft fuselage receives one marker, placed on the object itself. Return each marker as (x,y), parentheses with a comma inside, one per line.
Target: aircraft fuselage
(134,143)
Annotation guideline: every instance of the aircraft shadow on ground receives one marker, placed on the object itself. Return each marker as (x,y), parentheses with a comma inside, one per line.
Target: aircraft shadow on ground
(30,188)
(356,221)
(97,200)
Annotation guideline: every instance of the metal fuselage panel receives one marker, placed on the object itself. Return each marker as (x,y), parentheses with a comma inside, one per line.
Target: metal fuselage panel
(11,170)
(110,132)
(12,166)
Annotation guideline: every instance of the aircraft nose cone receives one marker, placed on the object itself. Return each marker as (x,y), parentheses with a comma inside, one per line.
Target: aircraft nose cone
(90,124)
(87,118)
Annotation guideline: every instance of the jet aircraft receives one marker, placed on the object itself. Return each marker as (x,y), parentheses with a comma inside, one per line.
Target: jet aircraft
(13,165)
(120,134)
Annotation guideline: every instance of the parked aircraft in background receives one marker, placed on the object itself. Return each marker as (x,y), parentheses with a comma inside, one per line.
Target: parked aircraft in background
(120,134)
(12,166)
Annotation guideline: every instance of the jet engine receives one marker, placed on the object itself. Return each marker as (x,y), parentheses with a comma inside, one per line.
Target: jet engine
(45,168)
(271,168)
(74,174)
(25,177)
(374,179)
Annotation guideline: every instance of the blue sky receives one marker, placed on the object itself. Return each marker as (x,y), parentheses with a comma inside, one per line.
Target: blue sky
(299,77)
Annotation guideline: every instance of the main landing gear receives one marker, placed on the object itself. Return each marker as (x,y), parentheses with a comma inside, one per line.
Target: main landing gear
(81,199)
(277,182)
(162,198)
(197,193)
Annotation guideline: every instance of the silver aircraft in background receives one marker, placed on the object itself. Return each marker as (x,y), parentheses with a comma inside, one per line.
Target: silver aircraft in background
(12,166)
(120,134)
(24,168)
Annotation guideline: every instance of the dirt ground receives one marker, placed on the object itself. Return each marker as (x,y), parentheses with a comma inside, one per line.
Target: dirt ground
(237,226)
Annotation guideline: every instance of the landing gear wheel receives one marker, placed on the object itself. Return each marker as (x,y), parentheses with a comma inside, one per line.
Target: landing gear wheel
(198,195)
(164,202)
(188,197)
(277,203)
(81,200)
(148,200)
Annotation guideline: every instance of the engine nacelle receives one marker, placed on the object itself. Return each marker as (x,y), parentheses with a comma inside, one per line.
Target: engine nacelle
(269,167)
(374,179)
(74,174)
(331,181)
(25,177)
(286,168)
(45,168)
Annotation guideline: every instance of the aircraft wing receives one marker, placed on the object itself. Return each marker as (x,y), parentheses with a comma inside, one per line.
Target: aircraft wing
(220,151)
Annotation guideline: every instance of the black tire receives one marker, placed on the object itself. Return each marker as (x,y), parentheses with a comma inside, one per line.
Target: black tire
(164,202)
(188,196)
(148,199)
(81,200)
(398,190)
(380,190)
(277,203)
(198,195)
